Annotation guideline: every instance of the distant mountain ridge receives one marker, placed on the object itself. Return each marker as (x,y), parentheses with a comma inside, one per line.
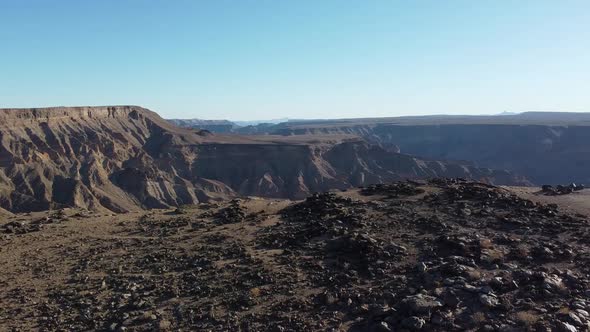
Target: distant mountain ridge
(215,126)
(504,118)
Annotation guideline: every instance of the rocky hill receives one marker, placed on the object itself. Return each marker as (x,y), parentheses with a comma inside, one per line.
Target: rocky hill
(444,255)
(125,158)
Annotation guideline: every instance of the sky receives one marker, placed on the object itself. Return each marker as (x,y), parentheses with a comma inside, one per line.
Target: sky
(249,60)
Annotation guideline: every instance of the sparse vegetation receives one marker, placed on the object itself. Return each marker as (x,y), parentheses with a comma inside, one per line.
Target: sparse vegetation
(527,318)
(486,244)
(479,317)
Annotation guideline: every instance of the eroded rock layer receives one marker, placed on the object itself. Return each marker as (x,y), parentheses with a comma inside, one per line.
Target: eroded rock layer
(542,146)
(126,158)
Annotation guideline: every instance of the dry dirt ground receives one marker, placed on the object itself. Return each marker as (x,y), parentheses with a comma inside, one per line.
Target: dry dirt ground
(440,256)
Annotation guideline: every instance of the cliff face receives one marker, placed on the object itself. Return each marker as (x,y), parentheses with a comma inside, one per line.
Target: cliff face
(545,154)
(125,158)
(296,170)
(545,147)
(541,152)
(79,156)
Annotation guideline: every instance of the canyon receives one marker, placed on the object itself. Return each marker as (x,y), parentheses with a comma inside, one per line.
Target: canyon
(544,147)
(125,158)
(115,219)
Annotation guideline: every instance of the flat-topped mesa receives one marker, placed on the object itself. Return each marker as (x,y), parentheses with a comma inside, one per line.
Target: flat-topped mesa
(11,115)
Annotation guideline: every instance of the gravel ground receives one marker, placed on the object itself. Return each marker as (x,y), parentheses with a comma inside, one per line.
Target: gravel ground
(444,255)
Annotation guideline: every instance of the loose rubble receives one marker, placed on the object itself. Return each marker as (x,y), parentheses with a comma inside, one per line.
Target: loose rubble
(447,255)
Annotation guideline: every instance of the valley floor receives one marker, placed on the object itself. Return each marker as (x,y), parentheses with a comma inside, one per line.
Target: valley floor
(439,256)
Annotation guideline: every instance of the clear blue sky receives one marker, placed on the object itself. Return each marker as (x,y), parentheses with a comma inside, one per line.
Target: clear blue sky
(299,59)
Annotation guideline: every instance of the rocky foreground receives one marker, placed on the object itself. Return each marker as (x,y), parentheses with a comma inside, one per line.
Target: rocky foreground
(446,255)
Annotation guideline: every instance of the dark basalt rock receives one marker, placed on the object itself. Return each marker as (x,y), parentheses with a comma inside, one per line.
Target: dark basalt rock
(401,258)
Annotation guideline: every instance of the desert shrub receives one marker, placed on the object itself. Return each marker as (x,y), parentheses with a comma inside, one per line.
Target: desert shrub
(527,318)
(486,244)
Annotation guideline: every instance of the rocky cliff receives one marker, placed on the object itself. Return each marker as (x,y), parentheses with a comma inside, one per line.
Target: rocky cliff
(125,158)
(544,147)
